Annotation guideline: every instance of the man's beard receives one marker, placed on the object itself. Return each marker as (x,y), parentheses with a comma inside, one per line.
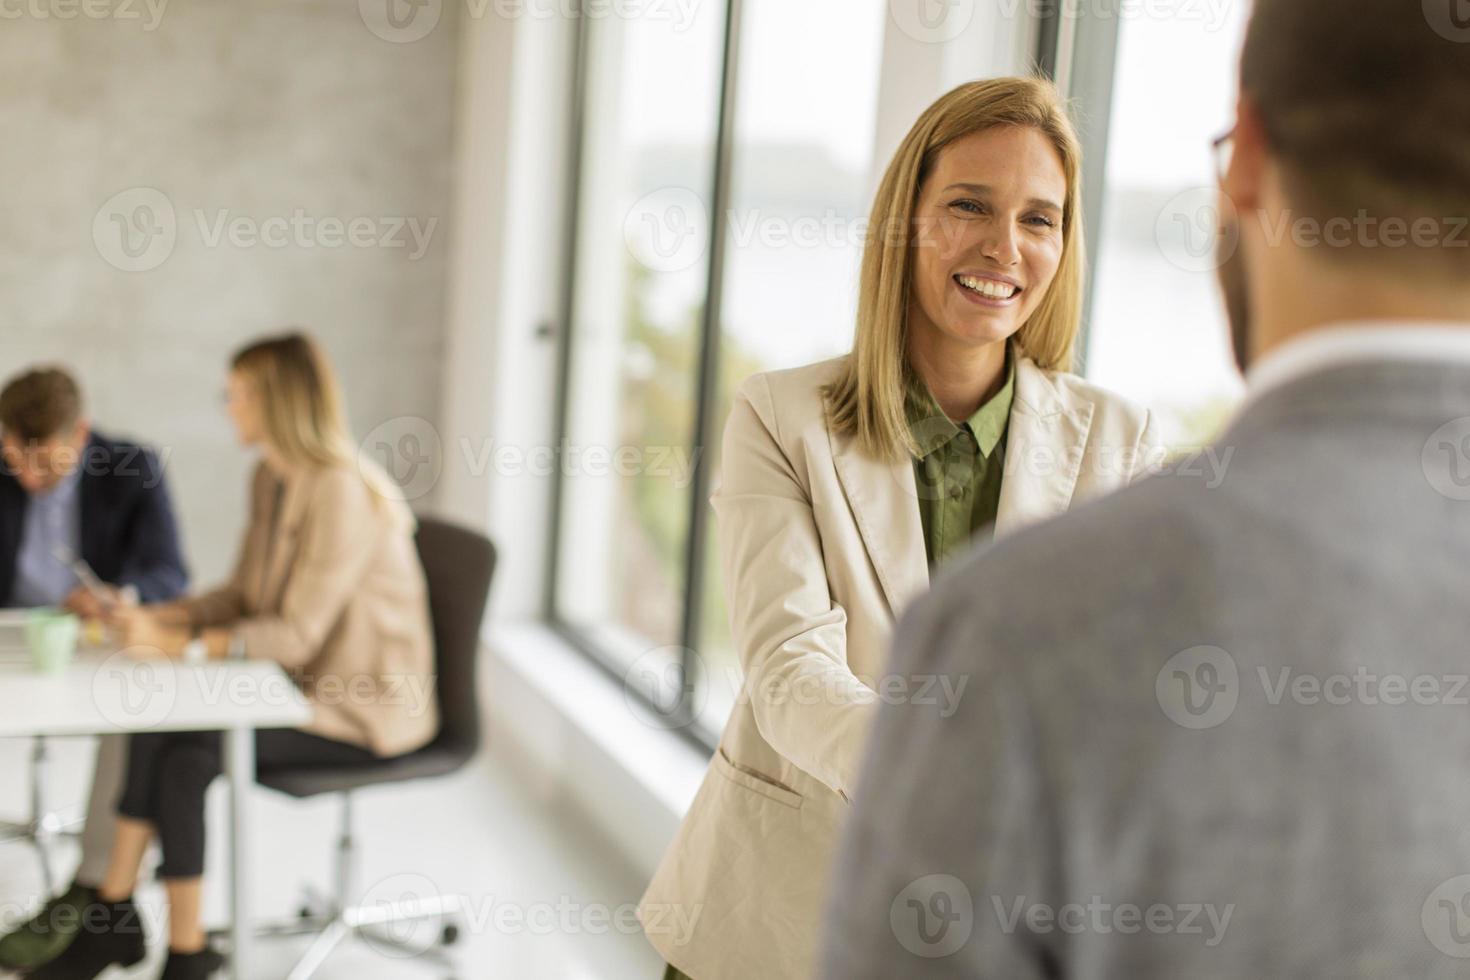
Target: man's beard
(1236,292)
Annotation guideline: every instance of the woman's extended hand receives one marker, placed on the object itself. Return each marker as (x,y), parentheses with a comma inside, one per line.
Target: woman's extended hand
(143,633)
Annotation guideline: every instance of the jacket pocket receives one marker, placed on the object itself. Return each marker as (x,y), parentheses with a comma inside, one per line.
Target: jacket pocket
(754,781)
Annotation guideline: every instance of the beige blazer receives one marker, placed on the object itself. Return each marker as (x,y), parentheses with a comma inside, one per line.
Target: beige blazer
(821,548)
(331,588)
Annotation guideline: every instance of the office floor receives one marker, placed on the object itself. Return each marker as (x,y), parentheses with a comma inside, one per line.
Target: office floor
(548,899)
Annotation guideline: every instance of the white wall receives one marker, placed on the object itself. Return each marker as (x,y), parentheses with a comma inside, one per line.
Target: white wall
(498,389)
(257,109)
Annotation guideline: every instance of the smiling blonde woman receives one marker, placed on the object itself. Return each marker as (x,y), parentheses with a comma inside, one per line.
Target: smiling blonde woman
(846,482)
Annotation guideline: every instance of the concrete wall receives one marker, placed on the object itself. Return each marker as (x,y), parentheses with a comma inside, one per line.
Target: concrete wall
(269,162)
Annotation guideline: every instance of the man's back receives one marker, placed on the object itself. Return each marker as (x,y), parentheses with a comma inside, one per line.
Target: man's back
(1208,730)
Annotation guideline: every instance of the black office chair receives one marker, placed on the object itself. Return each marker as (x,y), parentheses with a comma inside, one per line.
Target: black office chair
(458,565)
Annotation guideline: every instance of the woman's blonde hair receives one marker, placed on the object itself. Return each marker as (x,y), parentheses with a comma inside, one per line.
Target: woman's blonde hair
(867,398)
(302,412)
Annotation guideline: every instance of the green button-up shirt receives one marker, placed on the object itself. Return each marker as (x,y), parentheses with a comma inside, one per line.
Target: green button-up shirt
(958,471)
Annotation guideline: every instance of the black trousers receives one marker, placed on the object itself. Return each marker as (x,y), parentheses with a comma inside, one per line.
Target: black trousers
(168,773)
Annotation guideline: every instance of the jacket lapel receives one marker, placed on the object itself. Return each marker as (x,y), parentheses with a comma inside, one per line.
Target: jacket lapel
(1045,443)
(281,535)
(1044,449)
(13,504)
(92,510)
(885,503)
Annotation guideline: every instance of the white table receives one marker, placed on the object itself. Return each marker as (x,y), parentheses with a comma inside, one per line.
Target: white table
(104,693)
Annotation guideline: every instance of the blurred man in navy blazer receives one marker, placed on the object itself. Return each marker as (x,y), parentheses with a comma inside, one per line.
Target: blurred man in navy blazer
(67,489)
(67,493)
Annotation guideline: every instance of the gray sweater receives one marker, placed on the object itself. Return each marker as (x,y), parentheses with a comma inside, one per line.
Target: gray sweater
(1209,728)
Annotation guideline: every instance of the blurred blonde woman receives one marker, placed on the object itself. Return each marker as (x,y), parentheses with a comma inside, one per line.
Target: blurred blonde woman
(846,482)
(328,584)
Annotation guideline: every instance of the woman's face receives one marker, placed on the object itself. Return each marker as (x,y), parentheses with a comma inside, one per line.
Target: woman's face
(244,408)
(988,235)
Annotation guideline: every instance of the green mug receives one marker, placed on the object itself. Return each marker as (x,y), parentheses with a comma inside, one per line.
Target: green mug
(52,637)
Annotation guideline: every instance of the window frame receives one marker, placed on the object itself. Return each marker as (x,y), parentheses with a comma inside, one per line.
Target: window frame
(681,719)
(1079,54)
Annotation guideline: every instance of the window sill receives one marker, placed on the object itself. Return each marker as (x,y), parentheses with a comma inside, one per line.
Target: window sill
(568,716)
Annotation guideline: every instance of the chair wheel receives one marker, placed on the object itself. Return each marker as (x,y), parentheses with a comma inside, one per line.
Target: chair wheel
(304,912)
(450,935)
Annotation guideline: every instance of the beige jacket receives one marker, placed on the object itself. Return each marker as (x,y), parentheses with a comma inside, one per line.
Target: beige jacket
(336,595)
(821,549)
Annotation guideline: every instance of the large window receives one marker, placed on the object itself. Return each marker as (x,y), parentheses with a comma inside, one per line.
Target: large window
(799,198)
(638,294)
(773,154)
(1158,331)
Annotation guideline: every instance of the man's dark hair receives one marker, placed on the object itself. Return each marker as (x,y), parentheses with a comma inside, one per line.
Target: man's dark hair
(40,404)
(1367,105)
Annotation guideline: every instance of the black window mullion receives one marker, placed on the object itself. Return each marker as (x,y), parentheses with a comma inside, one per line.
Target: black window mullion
(1082,51)
(570,239)
(708,384)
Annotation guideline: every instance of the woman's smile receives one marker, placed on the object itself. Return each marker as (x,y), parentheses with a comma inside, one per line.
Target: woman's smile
(988,290)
